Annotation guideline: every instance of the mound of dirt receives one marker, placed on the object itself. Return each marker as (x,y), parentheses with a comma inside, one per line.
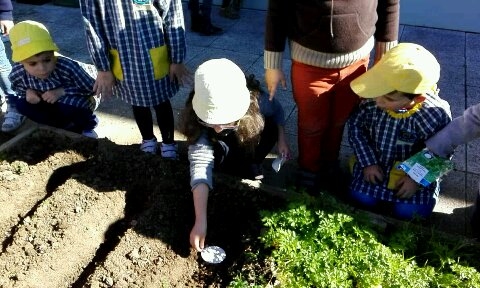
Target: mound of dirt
(78,212)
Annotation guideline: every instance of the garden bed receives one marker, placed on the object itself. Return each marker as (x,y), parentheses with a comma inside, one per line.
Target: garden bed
(78,212)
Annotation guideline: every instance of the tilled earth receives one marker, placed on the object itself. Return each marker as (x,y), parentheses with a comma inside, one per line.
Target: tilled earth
(77,212)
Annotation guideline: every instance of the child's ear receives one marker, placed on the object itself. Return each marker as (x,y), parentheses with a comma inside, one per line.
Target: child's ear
(419,98)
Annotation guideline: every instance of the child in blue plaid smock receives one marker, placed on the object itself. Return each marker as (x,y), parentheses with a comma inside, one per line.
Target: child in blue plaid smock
(51,89)
(393,126)
(138,47)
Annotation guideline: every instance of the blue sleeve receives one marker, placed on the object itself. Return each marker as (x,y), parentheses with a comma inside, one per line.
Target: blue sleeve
(17,79)
(174,32)
(359,138)
(97,42)
(6,10)
(81,75)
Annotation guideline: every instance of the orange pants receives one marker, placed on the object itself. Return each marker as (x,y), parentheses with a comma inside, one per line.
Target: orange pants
(324,101)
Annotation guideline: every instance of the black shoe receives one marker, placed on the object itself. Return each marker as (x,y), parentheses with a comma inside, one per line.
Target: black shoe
(209,30)
(307,182)
(230,13)
(203,26)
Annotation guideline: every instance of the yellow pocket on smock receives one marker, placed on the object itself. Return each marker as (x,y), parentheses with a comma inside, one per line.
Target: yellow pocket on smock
(395,175)
(116,65)
(161,65)
(351,163)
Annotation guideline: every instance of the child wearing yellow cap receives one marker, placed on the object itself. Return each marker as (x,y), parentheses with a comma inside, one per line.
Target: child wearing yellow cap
(231,126)
(51,89)
(401,110)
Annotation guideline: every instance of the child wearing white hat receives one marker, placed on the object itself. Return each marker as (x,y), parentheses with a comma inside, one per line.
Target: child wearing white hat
(230,125)
(52,89)
(401,110)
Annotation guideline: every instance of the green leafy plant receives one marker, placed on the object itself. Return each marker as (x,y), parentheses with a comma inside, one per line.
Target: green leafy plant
(320,242)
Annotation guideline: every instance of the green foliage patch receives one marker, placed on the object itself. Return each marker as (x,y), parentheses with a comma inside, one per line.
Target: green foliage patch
(320,242)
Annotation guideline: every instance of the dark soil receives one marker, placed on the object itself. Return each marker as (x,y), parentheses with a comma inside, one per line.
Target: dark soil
(78,212)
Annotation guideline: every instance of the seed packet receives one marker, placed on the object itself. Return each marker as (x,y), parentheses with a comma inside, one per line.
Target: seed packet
(425,167)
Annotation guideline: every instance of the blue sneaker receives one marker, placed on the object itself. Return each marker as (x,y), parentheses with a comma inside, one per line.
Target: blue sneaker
(12,121)
(149,146)
(169,151)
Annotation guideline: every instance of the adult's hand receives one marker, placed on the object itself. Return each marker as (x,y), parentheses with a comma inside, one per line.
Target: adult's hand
(273,77)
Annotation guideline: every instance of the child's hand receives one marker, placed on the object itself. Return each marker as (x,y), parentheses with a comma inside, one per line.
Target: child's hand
(32,96)
(283,149)
(198,235)
(406,187)
(51,96)
(180,73)
(104,84)
(372,174)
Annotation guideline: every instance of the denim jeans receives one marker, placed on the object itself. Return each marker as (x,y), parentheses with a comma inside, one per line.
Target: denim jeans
(5,84)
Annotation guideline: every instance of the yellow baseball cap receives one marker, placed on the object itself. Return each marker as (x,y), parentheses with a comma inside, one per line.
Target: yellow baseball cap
(29,38)
(408,68)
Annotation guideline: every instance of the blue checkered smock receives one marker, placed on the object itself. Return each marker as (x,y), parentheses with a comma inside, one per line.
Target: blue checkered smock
(76,78)
(136,40)
(379,138)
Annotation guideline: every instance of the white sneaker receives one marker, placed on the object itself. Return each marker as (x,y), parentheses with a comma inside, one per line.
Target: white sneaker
(149,146)
(90,134)
(12,121)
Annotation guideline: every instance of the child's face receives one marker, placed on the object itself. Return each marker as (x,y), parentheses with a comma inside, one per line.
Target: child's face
(220,128)
(40,65)
(394,101)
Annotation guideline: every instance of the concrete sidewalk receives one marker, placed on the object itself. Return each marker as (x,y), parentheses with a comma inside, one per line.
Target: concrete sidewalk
(242,42)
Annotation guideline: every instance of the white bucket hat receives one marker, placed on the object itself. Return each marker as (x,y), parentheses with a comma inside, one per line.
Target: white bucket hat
(221,93)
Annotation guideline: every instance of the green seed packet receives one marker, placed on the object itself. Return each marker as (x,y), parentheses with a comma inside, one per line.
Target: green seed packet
(425,167)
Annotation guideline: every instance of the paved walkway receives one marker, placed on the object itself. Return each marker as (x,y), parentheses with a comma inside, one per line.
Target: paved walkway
(242,42)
